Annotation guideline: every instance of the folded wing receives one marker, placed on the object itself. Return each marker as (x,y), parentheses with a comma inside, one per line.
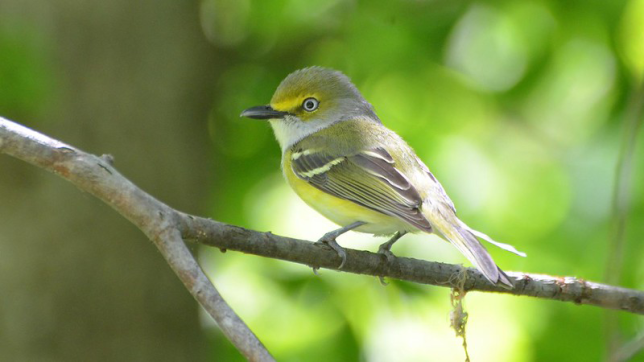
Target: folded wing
(369,178)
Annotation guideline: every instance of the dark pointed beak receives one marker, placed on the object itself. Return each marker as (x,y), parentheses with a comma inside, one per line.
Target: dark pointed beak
(262,112)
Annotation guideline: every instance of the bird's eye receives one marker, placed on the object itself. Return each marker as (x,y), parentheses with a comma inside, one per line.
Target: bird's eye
(310,104)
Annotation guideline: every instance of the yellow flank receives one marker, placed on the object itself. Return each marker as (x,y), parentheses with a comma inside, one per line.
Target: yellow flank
(340,211)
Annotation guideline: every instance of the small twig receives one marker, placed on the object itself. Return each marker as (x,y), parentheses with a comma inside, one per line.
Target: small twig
(620,207)
(157,220)
(458,316)
(630,349)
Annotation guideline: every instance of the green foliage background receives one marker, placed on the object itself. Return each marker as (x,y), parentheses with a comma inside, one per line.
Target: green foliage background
(518,107)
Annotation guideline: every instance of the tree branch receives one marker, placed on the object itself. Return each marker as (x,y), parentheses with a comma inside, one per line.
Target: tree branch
(157,220)
(316,255)
(166,226)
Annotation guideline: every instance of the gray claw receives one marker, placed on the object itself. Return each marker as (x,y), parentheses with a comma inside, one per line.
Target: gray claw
(330,241)
(386,252)
(385,248)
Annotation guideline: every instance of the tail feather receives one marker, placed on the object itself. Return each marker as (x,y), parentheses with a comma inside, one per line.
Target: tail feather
(482,259)
(506,247)
(505,280)
(465,240)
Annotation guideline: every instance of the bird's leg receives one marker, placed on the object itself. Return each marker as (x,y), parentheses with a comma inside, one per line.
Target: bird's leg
(329,239)
(385,248)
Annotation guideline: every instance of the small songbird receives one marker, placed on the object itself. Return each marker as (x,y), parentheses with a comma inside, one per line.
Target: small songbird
(341,160)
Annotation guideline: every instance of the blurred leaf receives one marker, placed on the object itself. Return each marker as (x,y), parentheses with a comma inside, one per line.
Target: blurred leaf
(487,46)
(26,79)
(224,22)
(631,38)
(572,97)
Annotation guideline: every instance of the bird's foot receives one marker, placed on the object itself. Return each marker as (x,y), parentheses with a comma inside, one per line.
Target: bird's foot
(384,249)
(329,239)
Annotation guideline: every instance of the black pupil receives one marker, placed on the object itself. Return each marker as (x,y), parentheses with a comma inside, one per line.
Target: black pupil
(309,104)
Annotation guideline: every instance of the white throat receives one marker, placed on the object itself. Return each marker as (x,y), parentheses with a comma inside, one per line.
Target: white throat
(290,132)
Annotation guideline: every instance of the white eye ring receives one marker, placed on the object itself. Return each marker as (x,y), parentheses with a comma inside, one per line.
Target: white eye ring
(310,104)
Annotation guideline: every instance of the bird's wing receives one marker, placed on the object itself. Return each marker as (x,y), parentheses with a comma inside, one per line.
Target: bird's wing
(369,178)
(438,186)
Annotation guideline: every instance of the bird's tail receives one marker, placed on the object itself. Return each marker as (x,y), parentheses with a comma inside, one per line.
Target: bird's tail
(465,239)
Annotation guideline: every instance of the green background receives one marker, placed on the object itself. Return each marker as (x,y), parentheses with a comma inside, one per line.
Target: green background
(519,108)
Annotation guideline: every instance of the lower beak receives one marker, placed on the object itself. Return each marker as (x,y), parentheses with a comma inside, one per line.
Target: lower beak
(263,112)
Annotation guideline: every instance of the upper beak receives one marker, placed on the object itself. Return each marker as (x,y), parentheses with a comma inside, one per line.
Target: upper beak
(263,112)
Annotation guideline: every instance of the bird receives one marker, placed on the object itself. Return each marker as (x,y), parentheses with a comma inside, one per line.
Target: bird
(343,162)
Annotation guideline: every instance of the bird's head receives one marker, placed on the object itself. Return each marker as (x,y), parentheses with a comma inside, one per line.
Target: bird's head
(308,100)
